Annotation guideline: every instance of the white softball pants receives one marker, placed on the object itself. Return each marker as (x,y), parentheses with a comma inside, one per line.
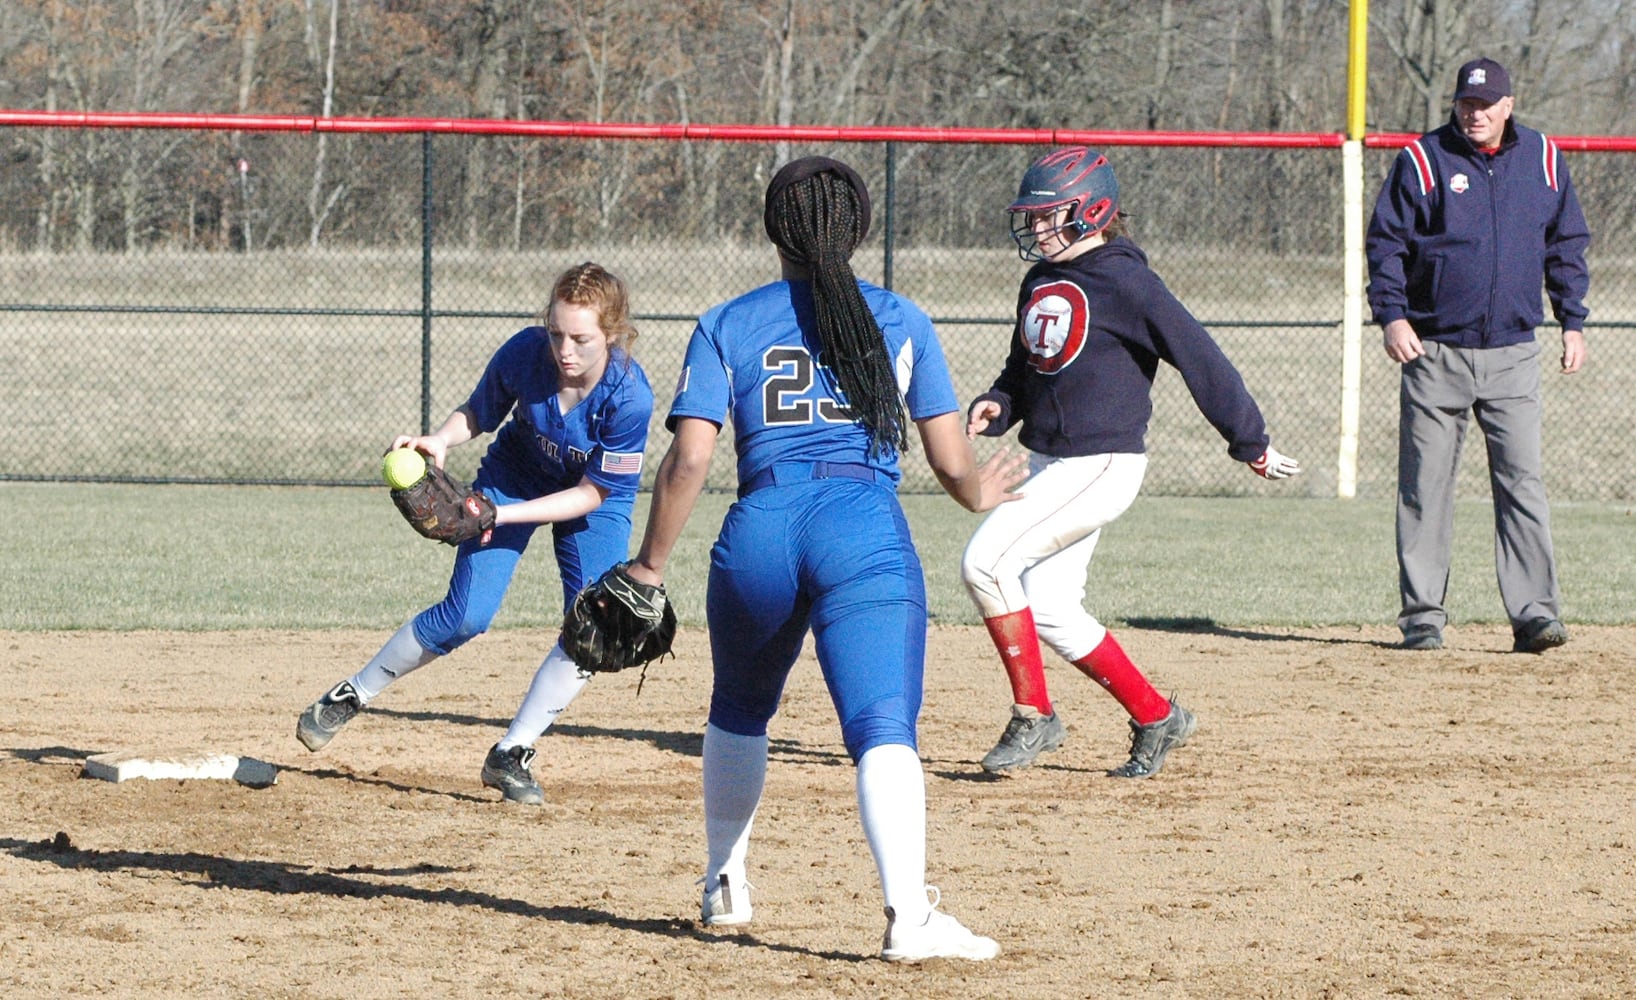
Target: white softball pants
(1036,552)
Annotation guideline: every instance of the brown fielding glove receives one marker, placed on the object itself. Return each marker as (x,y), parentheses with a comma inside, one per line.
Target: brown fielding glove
(618,622)
(443,509)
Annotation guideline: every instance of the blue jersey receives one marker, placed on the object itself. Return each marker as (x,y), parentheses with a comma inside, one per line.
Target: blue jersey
(541,450)
(757,359)
(830,553)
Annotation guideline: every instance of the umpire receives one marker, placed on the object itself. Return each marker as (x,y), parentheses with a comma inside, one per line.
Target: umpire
(1472,218)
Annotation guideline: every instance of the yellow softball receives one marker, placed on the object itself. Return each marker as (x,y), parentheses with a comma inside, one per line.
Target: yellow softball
(403,468)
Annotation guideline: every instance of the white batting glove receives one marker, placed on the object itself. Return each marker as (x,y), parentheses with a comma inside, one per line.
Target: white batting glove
(1273,465)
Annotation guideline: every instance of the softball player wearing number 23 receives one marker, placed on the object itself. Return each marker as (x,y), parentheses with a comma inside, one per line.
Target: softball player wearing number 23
(820,374)
(1093,323)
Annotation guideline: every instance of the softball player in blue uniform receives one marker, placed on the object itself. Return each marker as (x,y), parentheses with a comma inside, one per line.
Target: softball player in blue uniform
(820,374)
(570,455)
(1093,323)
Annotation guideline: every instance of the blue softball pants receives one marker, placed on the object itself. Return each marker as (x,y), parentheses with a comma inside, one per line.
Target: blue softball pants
(834,556)
(586,547)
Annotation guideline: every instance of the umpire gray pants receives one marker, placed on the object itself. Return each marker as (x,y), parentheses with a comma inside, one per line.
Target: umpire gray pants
(1440,393)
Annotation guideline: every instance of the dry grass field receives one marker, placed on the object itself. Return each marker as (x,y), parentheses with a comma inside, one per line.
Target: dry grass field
(299,367)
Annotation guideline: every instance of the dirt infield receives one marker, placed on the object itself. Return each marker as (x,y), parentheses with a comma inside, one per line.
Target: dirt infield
(1350,821)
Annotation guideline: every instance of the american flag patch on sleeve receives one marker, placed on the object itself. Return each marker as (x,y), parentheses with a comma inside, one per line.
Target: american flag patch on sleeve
(622,463)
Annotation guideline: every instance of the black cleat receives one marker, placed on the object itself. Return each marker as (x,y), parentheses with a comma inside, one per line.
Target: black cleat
(325,717)
(507,771)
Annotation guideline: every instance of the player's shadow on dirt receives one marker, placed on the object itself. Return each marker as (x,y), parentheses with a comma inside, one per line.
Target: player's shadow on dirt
(795,752)
(1198,626)
(686,744)
(209,871)
(376,781)
(1208,626)
(972,772)
(49,755)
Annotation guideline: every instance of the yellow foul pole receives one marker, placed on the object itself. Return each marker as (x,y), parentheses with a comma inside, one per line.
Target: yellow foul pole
(1357,76)
(1357,69)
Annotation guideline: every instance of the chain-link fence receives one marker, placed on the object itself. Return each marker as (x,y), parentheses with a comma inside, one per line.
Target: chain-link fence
(221,310)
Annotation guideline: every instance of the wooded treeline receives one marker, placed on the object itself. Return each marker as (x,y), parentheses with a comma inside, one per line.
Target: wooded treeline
(1264,65)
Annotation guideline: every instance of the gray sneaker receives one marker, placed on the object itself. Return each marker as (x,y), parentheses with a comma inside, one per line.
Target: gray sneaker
(1422,637)
(507,771)
(1150,743)
(325,717)
(1539,635)
(1026,736)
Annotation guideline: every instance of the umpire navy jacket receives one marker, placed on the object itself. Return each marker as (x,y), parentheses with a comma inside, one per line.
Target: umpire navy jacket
(1461,240)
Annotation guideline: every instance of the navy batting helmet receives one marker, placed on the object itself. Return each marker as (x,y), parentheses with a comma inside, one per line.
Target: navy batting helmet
(1076,178)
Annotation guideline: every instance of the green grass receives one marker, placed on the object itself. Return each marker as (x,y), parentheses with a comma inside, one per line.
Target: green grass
(92,556)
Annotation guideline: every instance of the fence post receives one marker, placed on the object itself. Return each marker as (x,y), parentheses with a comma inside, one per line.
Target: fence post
(426,282)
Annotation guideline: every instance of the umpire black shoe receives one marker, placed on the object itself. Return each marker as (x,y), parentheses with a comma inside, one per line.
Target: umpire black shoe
(325,717)
(1150,743)
(1422,637)
(1026,736)
(1538,636)
(507,771)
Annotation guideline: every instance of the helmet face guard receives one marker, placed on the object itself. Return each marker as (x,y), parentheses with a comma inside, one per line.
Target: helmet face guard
(1077,179)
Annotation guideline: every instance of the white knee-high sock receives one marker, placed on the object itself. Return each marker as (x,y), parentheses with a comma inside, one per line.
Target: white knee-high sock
(735,771)
(402,654)
(892,804)
(556,684)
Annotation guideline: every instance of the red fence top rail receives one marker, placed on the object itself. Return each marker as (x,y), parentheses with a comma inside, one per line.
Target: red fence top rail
(1575,143)
(739,133)
(628,130)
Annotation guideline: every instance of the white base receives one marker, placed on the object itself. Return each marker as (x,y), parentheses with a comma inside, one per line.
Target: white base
(124,766)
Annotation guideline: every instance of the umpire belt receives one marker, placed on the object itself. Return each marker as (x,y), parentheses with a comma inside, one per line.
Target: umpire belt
(785,473)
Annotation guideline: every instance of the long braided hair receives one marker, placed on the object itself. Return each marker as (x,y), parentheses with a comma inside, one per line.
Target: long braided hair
(817,213)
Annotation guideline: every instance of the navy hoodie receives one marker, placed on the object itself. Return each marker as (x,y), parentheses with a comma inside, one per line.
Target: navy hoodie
(1461,240)
(1089,338)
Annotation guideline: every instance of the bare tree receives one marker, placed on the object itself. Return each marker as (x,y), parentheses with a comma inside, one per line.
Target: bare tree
(481,42)
(249,30)
(843,108)
(45,224)
(783,92)
(1427,39)
(322,53)
(611,54)
(1162,64)
(1204,64)
(161,31)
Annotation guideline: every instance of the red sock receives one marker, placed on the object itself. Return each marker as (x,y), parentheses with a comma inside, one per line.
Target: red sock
(1108,665)
(1019,648)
